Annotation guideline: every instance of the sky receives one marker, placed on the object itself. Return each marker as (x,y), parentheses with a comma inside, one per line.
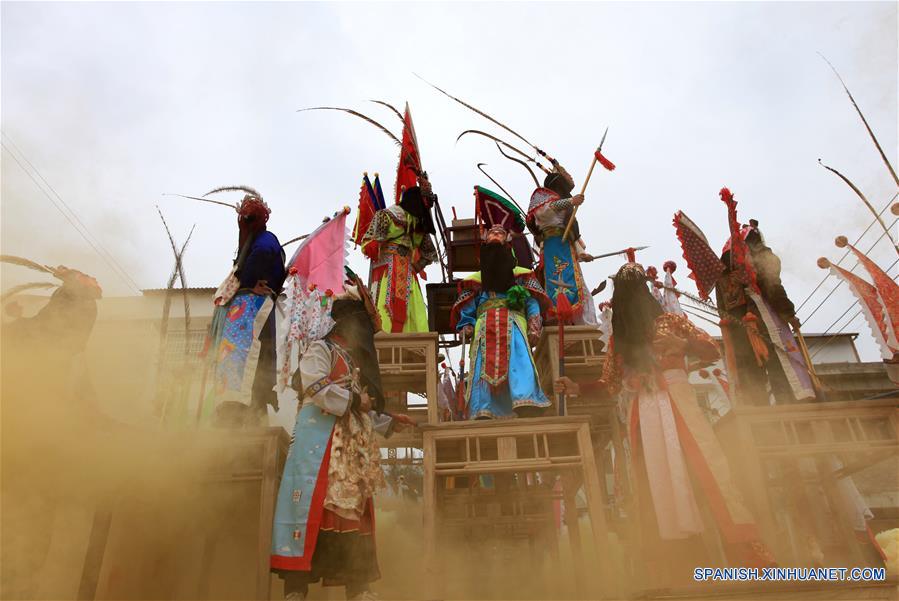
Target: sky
(116,104)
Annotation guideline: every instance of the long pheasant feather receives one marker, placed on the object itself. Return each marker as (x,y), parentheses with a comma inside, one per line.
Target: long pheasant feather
(23,287)
(865,121)
(209,200)
(355,114)
(247,189)
(391,107)
(482,114)
(23,262)
(864,199)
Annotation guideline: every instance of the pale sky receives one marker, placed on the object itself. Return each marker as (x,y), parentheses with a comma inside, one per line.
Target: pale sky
(115,104)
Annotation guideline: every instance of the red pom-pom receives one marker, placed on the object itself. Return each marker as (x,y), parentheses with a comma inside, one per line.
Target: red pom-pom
(669,266)
(726,195)
(841,242)
(703,374)
(895,208)
(823,262)
(292,271)
(329,292)
(717,372)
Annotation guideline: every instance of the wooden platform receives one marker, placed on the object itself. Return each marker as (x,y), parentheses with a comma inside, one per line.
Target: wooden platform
(783,450)
(210,540)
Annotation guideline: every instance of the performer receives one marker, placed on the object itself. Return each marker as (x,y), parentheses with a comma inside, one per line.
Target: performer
(399,243)
(499,311)
(559,267)
(744,326)
(755,310)
(671,441)
(324,519)
(243,327)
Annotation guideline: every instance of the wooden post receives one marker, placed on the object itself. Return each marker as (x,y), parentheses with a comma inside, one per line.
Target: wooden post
(268,494)
(594,489)
(583,189)
(433,587)
(96,549)
(569,490)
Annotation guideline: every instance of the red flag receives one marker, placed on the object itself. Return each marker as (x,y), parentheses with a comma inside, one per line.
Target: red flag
(604,161)
(366,211)
(409,167)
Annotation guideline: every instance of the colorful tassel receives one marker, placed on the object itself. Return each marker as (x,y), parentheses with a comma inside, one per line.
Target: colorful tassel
(604,161)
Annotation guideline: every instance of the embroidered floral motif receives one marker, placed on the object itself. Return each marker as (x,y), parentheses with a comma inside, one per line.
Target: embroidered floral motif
(354,473)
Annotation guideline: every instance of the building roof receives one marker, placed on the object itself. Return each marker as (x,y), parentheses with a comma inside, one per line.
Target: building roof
(193,289)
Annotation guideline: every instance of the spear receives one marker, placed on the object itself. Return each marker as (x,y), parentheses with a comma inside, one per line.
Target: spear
(564,312)
(617,252)
(597,158)
(460,389)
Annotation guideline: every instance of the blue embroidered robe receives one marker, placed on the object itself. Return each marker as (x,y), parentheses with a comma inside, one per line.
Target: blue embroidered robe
(326,373)
(495,390)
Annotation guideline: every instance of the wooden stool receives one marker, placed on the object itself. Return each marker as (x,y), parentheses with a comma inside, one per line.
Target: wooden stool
(408,363)
(548,446)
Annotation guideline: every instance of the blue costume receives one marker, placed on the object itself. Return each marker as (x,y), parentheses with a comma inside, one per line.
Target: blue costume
(244,328)
(503,376)
(560,269)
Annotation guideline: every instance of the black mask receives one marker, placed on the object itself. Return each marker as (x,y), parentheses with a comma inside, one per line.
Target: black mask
(634,311)
(357,335)
(413,203)
(497,265)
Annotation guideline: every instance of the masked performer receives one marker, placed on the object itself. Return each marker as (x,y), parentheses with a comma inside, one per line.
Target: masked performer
(243,328)
(398,241)
(499,311)
(44,358)
(548,214)
(324,520)
(672,443)
(755,311)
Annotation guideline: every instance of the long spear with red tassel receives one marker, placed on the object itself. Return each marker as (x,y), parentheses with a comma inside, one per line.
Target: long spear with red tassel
(564,312)
(597,158)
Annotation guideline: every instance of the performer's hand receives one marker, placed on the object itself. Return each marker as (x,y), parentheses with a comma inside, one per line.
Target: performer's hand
(577,200)
(425,187)
(365,402)
(468,331)
(401,421)
(585,257)
(261,288)
(566,386)
(13,309)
